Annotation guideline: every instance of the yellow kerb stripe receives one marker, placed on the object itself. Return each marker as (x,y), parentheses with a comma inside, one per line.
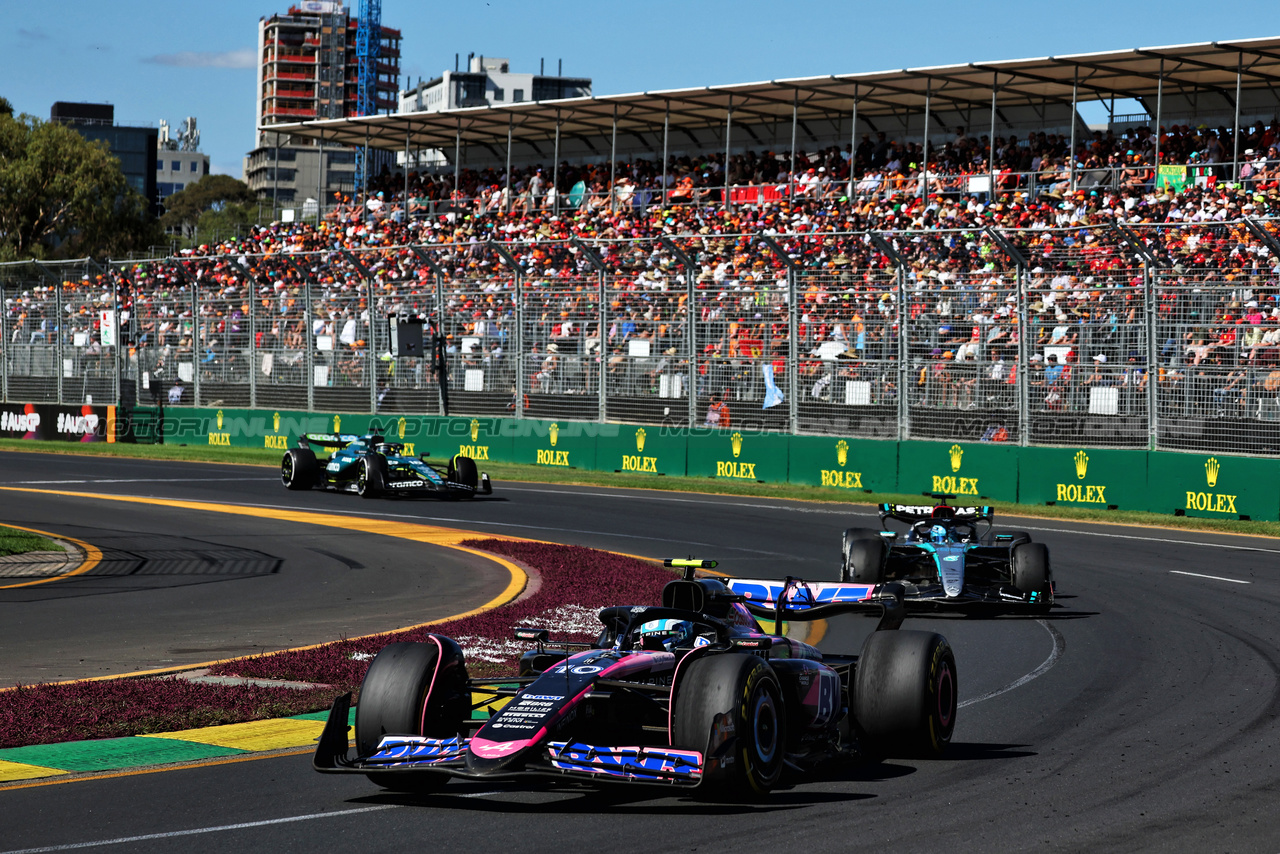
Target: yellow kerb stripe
(252,736)
(11,771)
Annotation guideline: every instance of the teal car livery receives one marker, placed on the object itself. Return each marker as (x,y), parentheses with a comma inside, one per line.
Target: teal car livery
(950,558)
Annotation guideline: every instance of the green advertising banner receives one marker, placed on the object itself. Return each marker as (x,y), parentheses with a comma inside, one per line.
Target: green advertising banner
(967,470)
(738,455)
(1083,477)
(1214,486)
(647,449)
(555,444)
(482,439)
(1208,485)
(850,465)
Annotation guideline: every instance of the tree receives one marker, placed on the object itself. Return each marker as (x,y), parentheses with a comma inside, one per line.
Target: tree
(63,195)
(187,207)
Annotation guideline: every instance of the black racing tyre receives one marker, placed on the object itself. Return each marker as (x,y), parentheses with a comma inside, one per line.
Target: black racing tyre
(865,561)
(864,555)
(412,689)
(463,470)
(730,708)
(1032,575)
(1016,537)
(299,469)
(371,478)
(904,694)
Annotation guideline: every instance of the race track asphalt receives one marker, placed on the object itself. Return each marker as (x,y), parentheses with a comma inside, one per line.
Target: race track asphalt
(1140,716)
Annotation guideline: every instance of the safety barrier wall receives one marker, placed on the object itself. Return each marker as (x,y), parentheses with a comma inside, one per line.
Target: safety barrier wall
(1195,484)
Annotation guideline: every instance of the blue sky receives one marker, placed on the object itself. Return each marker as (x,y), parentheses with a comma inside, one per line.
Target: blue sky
(169,60)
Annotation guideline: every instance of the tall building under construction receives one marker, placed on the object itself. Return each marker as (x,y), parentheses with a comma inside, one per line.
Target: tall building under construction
(307,69)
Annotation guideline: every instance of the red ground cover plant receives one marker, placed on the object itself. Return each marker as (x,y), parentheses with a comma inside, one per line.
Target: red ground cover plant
(75,711)
(575,583)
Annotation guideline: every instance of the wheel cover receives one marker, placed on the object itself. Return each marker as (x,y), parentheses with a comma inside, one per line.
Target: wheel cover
(945,690)
(362,479)
(286,469)
(764,726)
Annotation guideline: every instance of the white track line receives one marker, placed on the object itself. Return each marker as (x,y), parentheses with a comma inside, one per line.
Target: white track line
(1059,646)
(125,840)
(1214,577)
(141,480)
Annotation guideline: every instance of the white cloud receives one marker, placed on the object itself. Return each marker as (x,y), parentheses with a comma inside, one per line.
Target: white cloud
(244,58)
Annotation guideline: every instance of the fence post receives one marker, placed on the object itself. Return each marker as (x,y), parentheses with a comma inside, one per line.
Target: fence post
(1024,355)
(519,315)
(253,342)
(437,273)
(904,366)
(309,335)
(690,320)
(4,349)
(1153,372)
(593,258)
(59,329)
(602,360)
(793,329)
(195,341)
(793,351)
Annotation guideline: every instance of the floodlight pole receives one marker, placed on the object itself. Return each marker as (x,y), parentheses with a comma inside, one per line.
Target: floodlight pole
(613,161)
(1235,131)
(666,128)
(457,163)
(728,132)
(853,140)
(924,166)
(791,175)
(506,205)
(1071,158)
(1155,183)
(991,156)
(555,170)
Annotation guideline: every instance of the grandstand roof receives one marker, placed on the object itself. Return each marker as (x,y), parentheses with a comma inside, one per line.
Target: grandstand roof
(1209,67)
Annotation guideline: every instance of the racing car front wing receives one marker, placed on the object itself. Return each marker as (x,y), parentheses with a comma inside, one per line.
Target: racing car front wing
(418,754)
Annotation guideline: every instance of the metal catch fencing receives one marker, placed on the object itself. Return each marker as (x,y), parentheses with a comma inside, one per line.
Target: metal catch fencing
(1124,336)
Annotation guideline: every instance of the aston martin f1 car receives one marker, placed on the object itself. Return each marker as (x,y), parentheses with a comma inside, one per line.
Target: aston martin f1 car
(691,694)
(950,558)
(370,466)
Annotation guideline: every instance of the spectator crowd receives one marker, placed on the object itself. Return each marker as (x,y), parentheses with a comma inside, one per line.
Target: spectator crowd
(907,287)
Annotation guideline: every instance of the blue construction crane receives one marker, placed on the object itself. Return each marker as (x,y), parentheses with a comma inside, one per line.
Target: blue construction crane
(368,43)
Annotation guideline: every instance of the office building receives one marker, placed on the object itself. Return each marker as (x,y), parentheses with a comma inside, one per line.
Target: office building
(133,146)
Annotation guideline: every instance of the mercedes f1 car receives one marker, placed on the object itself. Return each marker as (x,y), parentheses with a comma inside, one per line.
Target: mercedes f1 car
(371,466)
(689,694)
(950,557)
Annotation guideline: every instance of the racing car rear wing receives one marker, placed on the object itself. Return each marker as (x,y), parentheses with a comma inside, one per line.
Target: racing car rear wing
(795,599)
(918,512)
(329,440)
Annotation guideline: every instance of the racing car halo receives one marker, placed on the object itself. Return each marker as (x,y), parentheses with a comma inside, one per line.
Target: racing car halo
(945,561)
(370,466)
(692,693)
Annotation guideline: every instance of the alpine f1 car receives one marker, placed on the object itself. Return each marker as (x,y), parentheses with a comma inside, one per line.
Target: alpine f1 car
(692,693)
(949,557)
(371,466)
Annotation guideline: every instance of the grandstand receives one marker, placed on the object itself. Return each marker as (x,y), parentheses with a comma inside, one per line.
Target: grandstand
(960,296)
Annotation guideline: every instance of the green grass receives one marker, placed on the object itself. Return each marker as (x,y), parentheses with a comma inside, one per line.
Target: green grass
(15,542)
(512,472)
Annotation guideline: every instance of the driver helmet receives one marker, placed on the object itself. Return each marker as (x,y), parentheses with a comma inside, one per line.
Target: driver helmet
(665,634)
(938,534)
